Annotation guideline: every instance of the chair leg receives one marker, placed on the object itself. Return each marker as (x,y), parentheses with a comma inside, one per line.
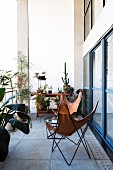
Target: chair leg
(86,148)
(86,145)
(68,163)
(54,142)
(81,140)
(61,152)
(57,139)
(50,135)
(71,140)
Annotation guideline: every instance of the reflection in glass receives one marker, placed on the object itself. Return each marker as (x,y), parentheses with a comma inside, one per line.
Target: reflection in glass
(86,71)
(85,101)
(97,96)
(110,116)
(87,2)
(106,1)
(109,69)
(97,67)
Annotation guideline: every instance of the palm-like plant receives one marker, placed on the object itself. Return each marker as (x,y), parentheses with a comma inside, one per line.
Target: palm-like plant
(6,115)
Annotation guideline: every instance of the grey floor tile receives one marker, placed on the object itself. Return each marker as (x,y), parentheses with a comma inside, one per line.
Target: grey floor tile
(15,164)
(13,144)
(36,134)
(16,135)
(32,149)
(1,164)
(76,164)
(68,149)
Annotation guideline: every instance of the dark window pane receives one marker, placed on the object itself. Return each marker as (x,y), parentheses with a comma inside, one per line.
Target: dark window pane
(85,101)
(86,71)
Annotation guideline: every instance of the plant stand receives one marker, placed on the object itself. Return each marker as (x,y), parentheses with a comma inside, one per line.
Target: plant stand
(47,110)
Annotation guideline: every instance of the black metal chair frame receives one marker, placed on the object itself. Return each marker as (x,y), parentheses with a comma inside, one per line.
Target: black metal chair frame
(81,133)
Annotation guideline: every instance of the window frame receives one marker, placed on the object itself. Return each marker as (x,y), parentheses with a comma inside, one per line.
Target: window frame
(104,89)
(91,15)
(85,13)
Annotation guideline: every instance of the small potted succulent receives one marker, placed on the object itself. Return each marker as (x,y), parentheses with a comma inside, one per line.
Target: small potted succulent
(50,88)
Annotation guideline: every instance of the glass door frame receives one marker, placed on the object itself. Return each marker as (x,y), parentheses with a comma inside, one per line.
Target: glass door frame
(101,131)
(107,91)
(92,89)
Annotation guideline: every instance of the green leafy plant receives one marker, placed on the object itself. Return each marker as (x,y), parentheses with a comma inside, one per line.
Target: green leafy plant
(2,92)
(24,89)
(50,87)
(9,111)
(56,100)
(42,102)
(6,80)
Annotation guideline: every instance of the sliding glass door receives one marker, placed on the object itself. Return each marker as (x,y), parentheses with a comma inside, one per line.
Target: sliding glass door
(98,85)
(109,88)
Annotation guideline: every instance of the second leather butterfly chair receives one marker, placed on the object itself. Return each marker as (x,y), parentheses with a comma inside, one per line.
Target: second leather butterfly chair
(67,126)
(73,107)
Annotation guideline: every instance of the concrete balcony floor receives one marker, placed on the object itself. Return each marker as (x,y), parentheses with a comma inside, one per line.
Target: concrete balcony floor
(33,152)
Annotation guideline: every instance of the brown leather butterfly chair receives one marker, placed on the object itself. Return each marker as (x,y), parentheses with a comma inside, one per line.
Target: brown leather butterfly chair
(73,107)
(66,126)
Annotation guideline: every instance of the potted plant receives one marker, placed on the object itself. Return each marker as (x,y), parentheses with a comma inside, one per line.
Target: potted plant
(42,102)
(42,89)
(9,111)
(57,100)
(50,89)
(45,88)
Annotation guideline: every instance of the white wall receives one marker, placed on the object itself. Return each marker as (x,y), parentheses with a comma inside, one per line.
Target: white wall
(103,23)
(8,35)
(78,41)
(22,26)
(51,40)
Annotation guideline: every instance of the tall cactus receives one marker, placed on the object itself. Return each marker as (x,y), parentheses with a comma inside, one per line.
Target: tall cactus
(65,79)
